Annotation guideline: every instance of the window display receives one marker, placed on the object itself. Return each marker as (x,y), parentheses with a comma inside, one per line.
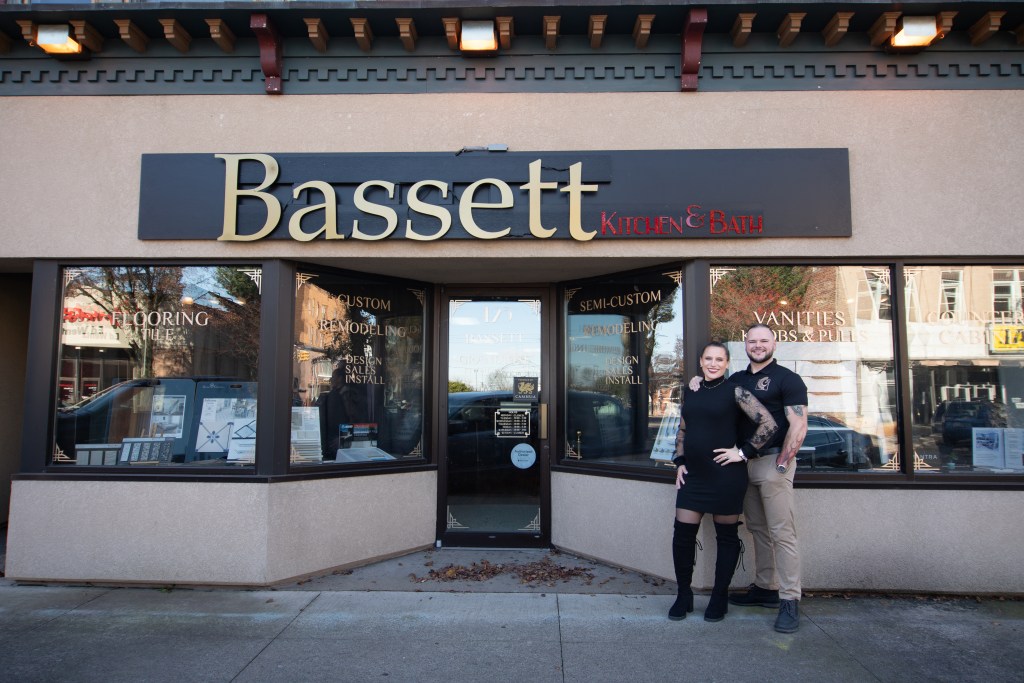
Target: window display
(158,366)
(966,350)
(624,356)
(358,370)
(834,328)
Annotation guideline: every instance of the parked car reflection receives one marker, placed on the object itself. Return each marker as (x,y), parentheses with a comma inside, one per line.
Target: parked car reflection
(163,409)
(478,460)
(831,444)
(598,425)
(954,421)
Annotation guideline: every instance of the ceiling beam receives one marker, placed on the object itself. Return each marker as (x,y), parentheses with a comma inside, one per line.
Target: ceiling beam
(364,34)
(221,34)
(642,30)
(318,34)
(176,34)
(789,29)
(742,28)
(132,35)
(837,28)
(595,29)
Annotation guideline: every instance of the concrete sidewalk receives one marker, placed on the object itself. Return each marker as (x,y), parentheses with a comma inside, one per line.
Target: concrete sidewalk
(562,632)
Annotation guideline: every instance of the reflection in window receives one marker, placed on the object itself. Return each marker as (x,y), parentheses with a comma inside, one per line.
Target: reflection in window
(357,387)
(967,372)
(951,300)
(912,293)
(625,365)
(834,329)
(157,366)
(1008,292)
(873,295)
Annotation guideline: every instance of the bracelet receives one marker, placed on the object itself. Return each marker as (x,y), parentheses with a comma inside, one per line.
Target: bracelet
(742,455)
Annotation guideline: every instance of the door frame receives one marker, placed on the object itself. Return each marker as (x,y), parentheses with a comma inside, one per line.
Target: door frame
(550,363)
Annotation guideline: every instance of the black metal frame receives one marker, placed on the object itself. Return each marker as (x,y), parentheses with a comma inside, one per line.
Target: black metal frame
(549,335)
(272,430)
(697,316)
(272,463)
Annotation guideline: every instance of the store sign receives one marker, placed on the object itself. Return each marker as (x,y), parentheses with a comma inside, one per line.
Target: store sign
(512,422)
(1006,338)
(582,196)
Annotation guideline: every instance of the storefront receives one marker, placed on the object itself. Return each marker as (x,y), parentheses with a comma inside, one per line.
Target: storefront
(345,290)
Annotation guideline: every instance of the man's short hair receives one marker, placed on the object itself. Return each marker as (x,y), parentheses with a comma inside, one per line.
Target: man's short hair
(757,325)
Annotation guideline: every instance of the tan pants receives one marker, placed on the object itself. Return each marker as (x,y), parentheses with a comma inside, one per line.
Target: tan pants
(768,511)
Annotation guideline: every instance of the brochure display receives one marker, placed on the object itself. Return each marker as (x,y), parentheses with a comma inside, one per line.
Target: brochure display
(306,435)
(998,449)
(225,423)
(227,426)
(162,421)
(664,448)
(168,416)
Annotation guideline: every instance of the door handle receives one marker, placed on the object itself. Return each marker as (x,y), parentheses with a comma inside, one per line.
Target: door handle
(543,421)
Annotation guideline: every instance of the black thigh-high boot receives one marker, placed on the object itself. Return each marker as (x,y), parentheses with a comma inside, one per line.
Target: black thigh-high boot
(728,542)
(684,546)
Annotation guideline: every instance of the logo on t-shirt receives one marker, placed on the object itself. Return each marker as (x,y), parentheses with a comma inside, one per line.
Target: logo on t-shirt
(762,384)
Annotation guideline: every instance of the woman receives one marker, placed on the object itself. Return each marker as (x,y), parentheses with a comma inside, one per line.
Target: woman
(711,476)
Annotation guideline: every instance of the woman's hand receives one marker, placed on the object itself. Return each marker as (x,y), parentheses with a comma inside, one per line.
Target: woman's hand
(680,471)
(694,383)
(726,456)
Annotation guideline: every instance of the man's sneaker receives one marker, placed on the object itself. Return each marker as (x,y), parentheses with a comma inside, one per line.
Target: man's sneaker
(788,620)
(755,596)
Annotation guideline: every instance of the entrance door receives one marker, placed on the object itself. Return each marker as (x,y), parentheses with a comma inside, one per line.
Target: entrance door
(494,444)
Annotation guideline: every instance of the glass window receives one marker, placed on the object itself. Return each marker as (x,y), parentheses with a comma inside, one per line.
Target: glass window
(951,300)
(158,366)
(624,368)
(1008,291)
(834,328)
(967,371)
(357,387)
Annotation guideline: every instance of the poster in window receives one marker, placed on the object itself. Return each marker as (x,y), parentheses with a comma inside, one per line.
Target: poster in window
(1013,449)
(664,448)
(168,416)
(227,426)
(987,447)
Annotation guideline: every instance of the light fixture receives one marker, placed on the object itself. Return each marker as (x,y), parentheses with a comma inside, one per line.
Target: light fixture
(914,32)
(55,39)
(478,37)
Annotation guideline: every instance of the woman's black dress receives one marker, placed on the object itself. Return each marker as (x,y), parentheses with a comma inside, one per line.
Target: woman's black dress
(711,417)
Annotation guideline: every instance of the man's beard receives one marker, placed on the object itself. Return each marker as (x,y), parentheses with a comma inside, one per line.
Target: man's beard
(767,357)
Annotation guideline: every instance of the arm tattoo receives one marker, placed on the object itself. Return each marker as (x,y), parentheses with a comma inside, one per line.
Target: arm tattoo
(680,435)
(759,415)
(798,410)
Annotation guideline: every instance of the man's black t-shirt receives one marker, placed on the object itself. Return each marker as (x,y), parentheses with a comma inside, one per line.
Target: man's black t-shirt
(776,387)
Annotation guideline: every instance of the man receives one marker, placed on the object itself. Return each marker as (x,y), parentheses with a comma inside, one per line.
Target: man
(768,505)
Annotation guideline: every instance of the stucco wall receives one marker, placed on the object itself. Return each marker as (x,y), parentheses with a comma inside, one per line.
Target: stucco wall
(857,539)
(932,173)
(213,533)
(929,173)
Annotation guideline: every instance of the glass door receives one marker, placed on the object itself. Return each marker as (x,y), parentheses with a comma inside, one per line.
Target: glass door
(494,444)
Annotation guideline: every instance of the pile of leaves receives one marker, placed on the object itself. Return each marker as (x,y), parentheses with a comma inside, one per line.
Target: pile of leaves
(542,572)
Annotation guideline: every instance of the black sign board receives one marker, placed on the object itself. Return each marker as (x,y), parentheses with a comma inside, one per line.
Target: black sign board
(525,389)
(512,422)
(610,195)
